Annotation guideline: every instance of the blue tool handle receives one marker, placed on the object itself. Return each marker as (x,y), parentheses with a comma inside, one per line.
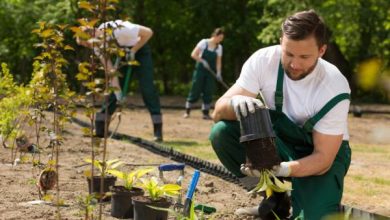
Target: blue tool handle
(171,166)
(193,183)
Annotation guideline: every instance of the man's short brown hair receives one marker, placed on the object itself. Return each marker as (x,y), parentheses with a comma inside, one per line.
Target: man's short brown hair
(304,24)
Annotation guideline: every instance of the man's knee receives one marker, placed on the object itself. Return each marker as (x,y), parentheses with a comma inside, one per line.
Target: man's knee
(219,132)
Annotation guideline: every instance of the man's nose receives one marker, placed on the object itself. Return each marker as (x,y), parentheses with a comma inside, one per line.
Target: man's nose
(294,63)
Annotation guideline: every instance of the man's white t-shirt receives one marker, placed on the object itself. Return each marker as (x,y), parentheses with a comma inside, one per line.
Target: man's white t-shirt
(203,44)
(125,32)
(302,99)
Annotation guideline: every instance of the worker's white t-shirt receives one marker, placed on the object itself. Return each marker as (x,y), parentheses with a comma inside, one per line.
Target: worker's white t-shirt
(125,32)
(302,99)
(202,46)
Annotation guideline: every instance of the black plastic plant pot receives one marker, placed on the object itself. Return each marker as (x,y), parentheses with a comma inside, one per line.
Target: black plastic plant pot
(109,181)
(100,123)
(142,211)
(121,201)
(259,139)
(278,204)
(256,125)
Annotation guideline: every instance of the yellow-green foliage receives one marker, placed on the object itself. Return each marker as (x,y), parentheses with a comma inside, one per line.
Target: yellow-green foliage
(104,167)
(130,179)
(7,84)
(156,191)
(48,84)
(13,105)
(270,183)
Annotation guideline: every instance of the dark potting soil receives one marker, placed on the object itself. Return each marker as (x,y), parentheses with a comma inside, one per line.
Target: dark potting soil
(261,153)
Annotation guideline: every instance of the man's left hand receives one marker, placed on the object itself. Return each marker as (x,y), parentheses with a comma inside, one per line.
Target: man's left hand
(281,170)
(249,171)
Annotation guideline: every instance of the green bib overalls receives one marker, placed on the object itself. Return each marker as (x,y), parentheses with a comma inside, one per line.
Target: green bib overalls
(317,196)
(144,73)
(202,81)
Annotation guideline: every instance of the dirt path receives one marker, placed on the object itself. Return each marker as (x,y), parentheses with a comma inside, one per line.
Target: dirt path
(17,191)
(369,136)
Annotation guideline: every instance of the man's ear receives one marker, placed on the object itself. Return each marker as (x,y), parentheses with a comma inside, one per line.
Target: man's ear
(323,49)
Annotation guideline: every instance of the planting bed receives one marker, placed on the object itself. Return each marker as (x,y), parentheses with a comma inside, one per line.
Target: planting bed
(367,184)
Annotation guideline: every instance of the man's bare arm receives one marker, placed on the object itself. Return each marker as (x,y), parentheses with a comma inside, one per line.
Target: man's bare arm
(320,161)
(144,34)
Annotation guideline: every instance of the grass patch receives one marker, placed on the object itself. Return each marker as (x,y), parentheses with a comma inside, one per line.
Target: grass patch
(198,149)
(183,144)
(363,148)
(375,180)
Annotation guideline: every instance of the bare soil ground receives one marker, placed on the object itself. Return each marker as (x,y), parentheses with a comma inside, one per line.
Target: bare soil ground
(367,184)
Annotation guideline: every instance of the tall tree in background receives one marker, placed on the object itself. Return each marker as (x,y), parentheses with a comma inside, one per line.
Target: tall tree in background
(360,30)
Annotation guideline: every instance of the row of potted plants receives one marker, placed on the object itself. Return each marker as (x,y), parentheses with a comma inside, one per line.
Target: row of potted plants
(137,196)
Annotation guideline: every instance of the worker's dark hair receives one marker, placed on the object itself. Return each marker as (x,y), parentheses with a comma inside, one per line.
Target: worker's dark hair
(304,24)
(218,31)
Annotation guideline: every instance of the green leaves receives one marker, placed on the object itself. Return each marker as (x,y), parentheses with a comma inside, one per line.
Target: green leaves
(86,5)
(105,167)
(156,191)
(270,183)
(131,178)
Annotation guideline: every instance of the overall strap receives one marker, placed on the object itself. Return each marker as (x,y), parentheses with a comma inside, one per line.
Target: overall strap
(279,89)
(309,124)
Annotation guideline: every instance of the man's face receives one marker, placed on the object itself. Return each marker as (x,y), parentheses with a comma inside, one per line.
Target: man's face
(299,57)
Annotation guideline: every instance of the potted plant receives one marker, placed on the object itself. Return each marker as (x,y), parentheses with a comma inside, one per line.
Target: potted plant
(197,212)
(121,205)
(155,197)
(104,168)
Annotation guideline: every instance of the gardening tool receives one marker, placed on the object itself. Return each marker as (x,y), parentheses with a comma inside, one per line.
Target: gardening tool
(125,87)
(205,208)
(112,105)
(215,76)
(172,167)
(190,193)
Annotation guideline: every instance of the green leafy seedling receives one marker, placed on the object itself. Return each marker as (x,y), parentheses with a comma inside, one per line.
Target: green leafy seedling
(130,179)
(270,183)
(156,191)
(104,167)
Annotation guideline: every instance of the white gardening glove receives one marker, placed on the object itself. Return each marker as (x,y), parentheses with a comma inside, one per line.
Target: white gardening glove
(282,170)
(205,63)
(249,172)
(241,103)
(219,76)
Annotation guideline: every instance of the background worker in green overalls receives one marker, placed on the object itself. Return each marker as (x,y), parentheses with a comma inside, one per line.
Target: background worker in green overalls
(134,38)
(208,55)
(308,100)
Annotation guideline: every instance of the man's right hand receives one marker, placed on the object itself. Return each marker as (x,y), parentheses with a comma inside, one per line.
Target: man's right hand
(242,104)
(205,63)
